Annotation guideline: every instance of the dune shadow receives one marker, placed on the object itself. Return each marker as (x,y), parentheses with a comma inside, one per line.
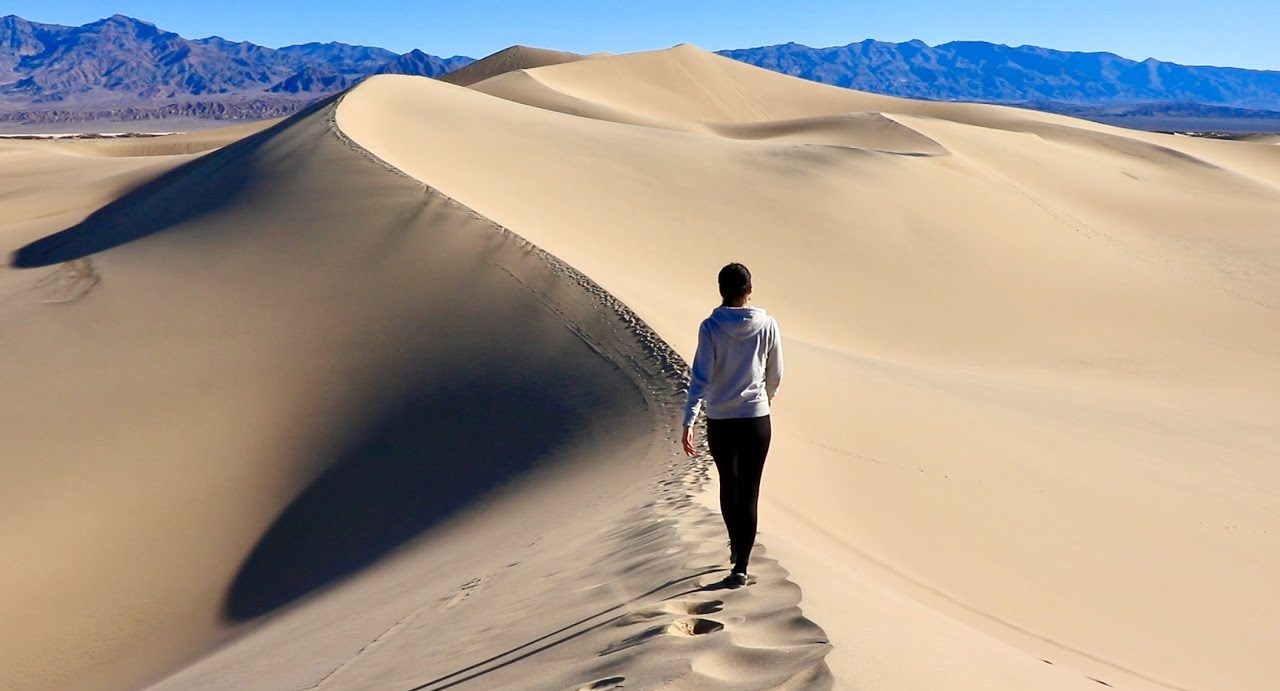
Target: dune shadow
(191,190)
(426,455)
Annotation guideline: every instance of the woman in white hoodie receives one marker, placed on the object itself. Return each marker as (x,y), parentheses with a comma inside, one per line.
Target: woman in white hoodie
(736,371)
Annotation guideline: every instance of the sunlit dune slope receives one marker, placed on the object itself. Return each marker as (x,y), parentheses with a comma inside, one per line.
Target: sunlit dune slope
(1028,433)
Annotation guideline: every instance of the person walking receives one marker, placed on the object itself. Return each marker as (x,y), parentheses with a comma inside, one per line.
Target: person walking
(737,371)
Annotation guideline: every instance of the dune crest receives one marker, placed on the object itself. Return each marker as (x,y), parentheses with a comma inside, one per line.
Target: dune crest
(352,435)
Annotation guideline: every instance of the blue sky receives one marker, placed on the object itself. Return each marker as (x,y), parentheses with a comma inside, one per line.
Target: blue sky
(1238,33)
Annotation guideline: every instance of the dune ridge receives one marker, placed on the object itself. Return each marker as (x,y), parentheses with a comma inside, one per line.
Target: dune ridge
(1025,426)
(404,426)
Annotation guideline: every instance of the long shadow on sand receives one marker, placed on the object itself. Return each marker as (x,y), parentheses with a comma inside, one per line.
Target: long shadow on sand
(428,454)
(189,191)
(560,636)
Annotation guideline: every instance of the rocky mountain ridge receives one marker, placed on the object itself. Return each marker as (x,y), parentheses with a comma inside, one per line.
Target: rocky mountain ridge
(988,72)
(121,67)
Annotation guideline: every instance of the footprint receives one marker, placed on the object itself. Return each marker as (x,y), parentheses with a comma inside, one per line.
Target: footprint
(606,683)
(707,607)
(71,281)
(695,627)
(464,592)
(683,627)
(676,607)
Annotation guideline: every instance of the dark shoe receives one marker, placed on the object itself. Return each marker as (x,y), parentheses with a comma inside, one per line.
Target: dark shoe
(737,579)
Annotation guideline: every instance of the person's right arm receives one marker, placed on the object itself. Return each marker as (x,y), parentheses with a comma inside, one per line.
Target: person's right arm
(699,376)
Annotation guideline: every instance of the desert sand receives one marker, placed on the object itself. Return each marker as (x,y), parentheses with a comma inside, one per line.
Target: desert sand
(386,395)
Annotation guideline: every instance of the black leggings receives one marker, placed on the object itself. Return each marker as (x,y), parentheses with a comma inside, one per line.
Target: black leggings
(739,447)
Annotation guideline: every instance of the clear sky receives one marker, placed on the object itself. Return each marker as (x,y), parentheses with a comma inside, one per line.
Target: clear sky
(1237,33)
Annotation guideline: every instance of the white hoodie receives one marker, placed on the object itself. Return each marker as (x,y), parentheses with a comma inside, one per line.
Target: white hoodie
(738,366)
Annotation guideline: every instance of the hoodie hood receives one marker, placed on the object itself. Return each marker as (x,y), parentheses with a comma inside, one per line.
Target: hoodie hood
(739,322)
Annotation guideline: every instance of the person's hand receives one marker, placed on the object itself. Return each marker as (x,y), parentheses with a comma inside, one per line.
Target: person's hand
(688,441)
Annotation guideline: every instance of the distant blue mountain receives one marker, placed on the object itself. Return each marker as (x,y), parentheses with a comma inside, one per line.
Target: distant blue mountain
(989,72)
(418,63)
(120,64)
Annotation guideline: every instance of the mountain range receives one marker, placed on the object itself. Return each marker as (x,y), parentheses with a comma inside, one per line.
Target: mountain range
(130,69)
(988,72)
(121,68)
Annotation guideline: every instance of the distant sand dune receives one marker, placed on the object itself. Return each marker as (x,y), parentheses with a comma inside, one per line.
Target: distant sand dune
(510,59)
(844,129)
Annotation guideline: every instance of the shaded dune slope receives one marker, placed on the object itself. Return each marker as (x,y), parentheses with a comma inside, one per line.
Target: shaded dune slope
(1026,425)
(281,365)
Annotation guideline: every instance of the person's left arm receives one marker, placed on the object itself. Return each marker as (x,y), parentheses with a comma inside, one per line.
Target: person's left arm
(699,377)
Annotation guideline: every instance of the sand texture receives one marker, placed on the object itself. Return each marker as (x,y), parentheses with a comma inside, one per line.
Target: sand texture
(386,395)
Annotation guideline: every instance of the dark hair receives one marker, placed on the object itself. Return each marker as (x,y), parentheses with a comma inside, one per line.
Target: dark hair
(735,282)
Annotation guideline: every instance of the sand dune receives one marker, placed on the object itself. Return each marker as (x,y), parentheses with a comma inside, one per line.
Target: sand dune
(282,364)
(508,60)
(1032,374)
(382,396)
